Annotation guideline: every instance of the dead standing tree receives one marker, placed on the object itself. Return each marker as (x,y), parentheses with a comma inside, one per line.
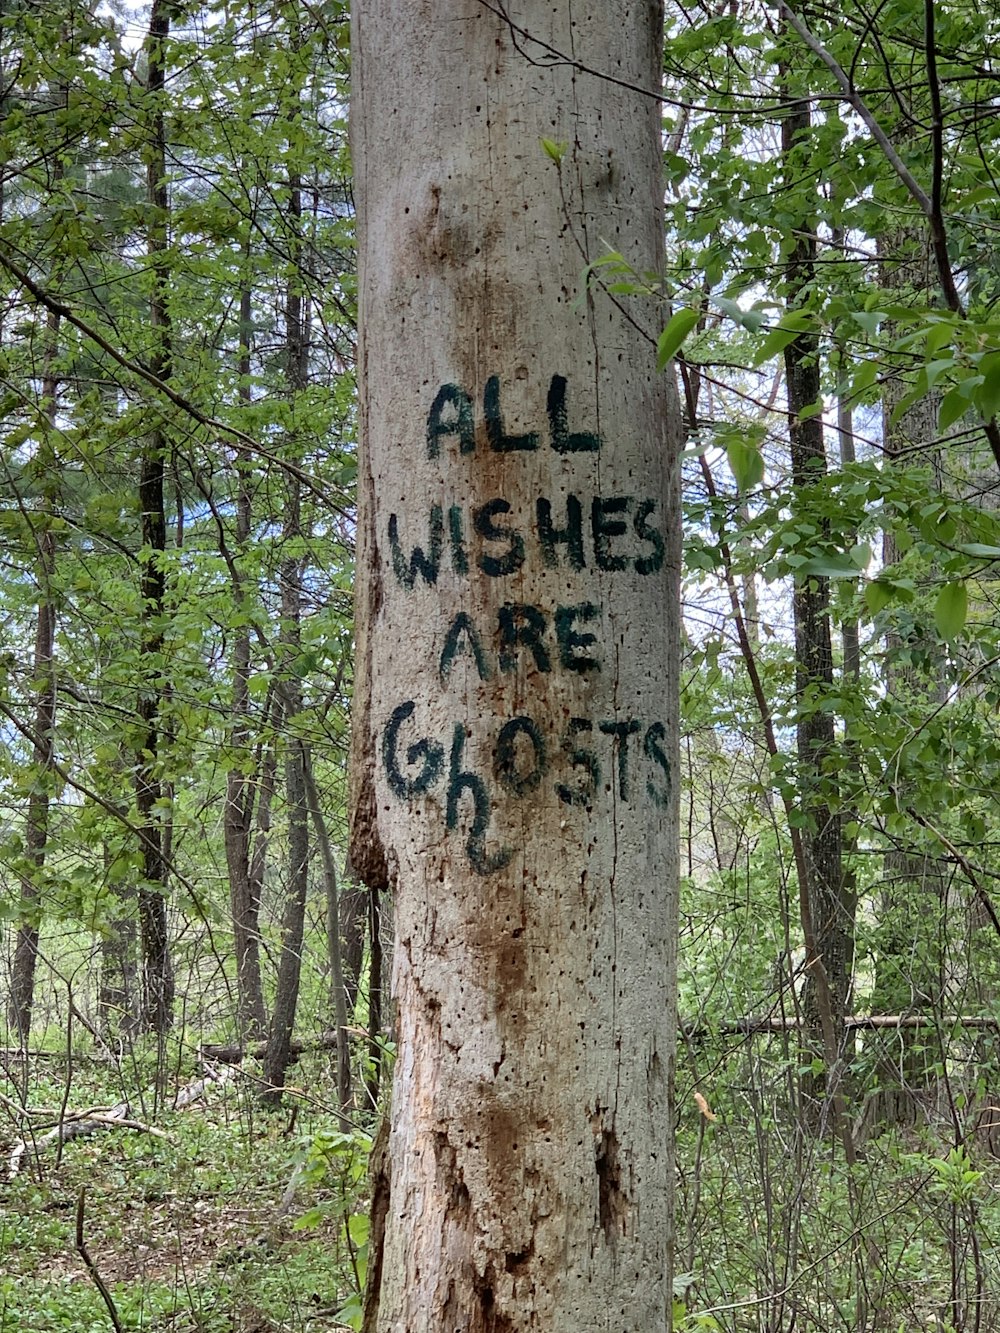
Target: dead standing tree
(517,625)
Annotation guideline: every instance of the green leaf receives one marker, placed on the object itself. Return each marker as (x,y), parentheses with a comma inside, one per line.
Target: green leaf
(861,554)
(951,609)
(787,330)
(727,306)
(830,566)
(868,319)
(877,596)
(747,319)
(984,194)
(953,406)
(864,377)
(979,550)
(987,394)
(557,151)
(673,335)
(312,1217)
(746,463)
(935,369)
(940,333)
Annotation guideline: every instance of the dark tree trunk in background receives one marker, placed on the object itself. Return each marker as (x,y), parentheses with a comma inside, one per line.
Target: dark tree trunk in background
(278,1054)
(240,780)
(828,914)
(36,834)
(338,998)
(353,920)
(157,976)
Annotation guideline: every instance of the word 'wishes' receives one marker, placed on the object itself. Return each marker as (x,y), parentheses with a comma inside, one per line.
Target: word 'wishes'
(619,533)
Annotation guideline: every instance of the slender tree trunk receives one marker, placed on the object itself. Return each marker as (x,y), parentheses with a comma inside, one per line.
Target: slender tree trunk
(157,978)
(267,769)
(518,618)
(338,996)
(277,1057)
(286,996)
(238,820)
(353,919)
(913,896)
(376,971)
(831,916)
(118,990)
(851,673)
(22,987)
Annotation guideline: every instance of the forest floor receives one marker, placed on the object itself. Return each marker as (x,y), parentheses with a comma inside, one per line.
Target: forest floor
(222,1217)
(227,1219)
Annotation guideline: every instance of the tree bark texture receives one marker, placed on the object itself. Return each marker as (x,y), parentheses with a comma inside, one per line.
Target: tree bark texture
(515,759)
(353,919)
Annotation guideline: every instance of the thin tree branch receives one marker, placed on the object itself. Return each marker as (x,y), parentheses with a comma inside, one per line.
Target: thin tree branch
(854,98)
(57,307)
(84,1254)
(929,204)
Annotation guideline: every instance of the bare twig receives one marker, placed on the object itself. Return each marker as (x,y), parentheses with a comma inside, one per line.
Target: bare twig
(84,1254)
(931,205)
(69,1128)
(854,99)
(767,1024)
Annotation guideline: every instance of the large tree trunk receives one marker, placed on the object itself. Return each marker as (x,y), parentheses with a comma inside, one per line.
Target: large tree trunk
(515,769)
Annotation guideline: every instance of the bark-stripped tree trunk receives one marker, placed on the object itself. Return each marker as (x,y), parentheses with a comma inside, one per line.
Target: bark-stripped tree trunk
(36,834)
(157,974)
(515,768)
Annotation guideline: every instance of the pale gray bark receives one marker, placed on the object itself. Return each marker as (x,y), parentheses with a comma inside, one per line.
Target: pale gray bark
(516,757)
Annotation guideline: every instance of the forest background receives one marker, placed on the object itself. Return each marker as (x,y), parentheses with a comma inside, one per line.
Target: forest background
(185,947)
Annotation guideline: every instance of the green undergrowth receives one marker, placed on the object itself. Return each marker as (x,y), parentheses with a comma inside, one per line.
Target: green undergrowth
(775,1232)
(226,1219)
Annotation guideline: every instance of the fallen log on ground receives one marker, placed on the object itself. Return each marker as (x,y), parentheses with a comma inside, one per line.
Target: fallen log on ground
(78,1124)
(751,1026)
(235,1054)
